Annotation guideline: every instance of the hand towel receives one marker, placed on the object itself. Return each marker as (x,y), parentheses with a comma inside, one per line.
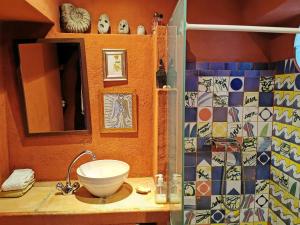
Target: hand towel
(16,193)
(18,180)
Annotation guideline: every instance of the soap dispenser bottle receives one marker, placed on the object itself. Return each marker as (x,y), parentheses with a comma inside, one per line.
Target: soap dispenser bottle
(160,193)
(175,189)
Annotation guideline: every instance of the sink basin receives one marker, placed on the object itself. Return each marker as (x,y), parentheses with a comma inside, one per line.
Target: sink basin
(103,178)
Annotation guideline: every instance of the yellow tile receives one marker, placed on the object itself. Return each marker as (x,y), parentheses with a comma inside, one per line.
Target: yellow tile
(219,129)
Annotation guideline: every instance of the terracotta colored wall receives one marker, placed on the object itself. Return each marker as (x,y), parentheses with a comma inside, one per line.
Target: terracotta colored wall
(221,46)
(46,155)
(281,47)
(4,158)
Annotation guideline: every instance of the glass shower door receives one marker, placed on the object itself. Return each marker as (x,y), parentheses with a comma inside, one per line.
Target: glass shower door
(176,81)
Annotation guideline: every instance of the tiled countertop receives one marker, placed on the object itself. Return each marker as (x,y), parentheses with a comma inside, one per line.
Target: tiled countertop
(44,200)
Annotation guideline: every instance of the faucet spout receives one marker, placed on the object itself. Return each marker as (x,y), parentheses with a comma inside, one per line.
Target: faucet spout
(71,188)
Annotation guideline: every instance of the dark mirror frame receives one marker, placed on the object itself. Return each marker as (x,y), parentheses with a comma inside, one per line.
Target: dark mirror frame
(84,82)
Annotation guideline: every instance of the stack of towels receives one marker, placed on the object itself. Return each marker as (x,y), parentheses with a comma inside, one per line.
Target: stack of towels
(17,184)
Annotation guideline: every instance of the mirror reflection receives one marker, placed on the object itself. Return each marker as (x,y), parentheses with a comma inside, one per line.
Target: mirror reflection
(53,86)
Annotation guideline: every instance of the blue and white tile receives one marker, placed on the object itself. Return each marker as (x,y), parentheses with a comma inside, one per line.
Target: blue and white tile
(236,84)
(205,99)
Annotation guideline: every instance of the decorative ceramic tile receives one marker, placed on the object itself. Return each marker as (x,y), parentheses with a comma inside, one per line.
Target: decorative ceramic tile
(203,202)
(190,217)
(190,129)
(233,187)
(250,144)
(250,129)
(191,99)
(264,144)
(249,158)
(261,214)
(203,173)
(250,114)
(221,84)
(261,201)
(205,114)
(204,129)
(203,188)
(266,84)
(220,99)
(217,216)
(296,118)
(264,129)
(232,217)
(216,202)
(202,217)
(205,84)
(235,114)
(217,158)
(233,173)
(219,129)
(190,144)
(251,99)
(235,130)
(236,84)
(262,187)
(265,114)
(236,99)
(205,99)
(247,215)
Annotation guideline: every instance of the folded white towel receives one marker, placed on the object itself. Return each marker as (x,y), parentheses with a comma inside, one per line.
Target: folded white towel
(19,179)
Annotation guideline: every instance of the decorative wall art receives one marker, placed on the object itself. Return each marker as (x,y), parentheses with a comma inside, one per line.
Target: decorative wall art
(114,63)
(118,111)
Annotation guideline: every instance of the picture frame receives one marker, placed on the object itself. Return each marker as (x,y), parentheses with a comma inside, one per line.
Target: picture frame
(114,64)
(119,110)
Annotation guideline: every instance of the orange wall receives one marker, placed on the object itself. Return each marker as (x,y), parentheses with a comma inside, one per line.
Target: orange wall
(50,156)
(4,158)
(221,46)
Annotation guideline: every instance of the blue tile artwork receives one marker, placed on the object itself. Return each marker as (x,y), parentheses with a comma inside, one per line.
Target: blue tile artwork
(231,99)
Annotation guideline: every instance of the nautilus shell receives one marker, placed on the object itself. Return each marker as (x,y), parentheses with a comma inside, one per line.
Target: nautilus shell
(74,20)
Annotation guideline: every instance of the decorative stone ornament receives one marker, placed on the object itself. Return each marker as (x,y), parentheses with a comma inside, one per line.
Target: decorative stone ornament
(74,20)
(103,24)
(140,30)
(123,27)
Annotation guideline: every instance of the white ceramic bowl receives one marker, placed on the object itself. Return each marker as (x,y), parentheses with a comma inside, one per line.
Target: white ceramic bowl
(103,178)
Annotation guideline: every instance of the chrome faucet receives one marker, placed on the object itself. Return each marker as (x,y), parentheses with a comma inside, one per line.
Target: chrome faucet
(70,188)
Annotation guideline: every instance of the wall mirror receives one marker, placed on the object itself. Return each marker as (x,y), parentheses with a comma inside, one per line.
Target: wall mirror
(53,86)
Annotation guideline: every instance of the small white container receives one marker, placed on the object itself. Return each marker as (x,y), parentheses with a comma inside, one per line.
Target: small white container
(175,189)
(161,190)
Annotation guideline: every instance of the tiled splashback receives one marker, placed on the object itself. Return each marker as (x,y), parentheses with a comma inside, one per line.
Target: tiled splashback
(229,100)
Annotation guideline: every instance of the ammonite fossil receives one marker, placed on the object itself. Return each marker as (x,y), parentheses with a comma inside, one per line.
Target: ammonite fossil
(74,20)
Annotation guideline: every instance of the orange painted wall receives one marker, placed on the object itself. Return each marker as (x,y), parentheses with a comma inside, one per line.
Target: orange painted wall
(50,156)
(221,46)
(4,157)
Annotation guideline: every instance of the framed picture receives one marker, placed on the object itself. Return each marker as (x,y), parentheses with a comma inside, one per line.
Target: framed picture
(114,64)
(118,108)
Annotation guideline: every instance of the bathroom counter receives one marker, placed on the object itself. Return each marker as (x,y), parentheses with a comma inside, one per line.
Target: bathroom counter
(44,203)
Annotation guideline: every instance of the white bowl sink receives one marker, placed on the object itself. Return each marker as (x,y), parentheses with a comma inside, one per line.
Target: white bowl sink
(103,178)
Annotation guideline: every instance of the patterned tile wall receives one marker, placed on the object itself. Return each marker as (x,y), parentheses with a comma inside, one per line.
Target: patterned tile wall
(228,100)
(284,201)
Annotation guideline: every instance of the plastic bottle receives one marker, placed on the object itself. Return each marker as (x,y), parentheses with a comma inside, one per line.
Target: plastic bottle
(175,189)
(160,193)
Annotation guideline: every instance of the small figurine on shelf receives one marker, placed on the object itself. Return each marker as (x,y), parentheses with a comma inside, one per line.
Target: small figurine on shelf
(140,30)
(157,20)
(161,75)
(123,27)
(103,24)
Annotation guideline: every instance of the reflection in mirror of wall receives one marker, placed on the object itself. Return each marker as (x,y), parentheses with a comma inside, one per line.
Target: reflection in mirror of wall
(54,87)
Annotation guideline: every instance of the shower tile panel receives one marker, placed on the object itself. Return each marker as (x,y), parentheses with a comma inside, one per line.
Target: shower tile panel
(250,102)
